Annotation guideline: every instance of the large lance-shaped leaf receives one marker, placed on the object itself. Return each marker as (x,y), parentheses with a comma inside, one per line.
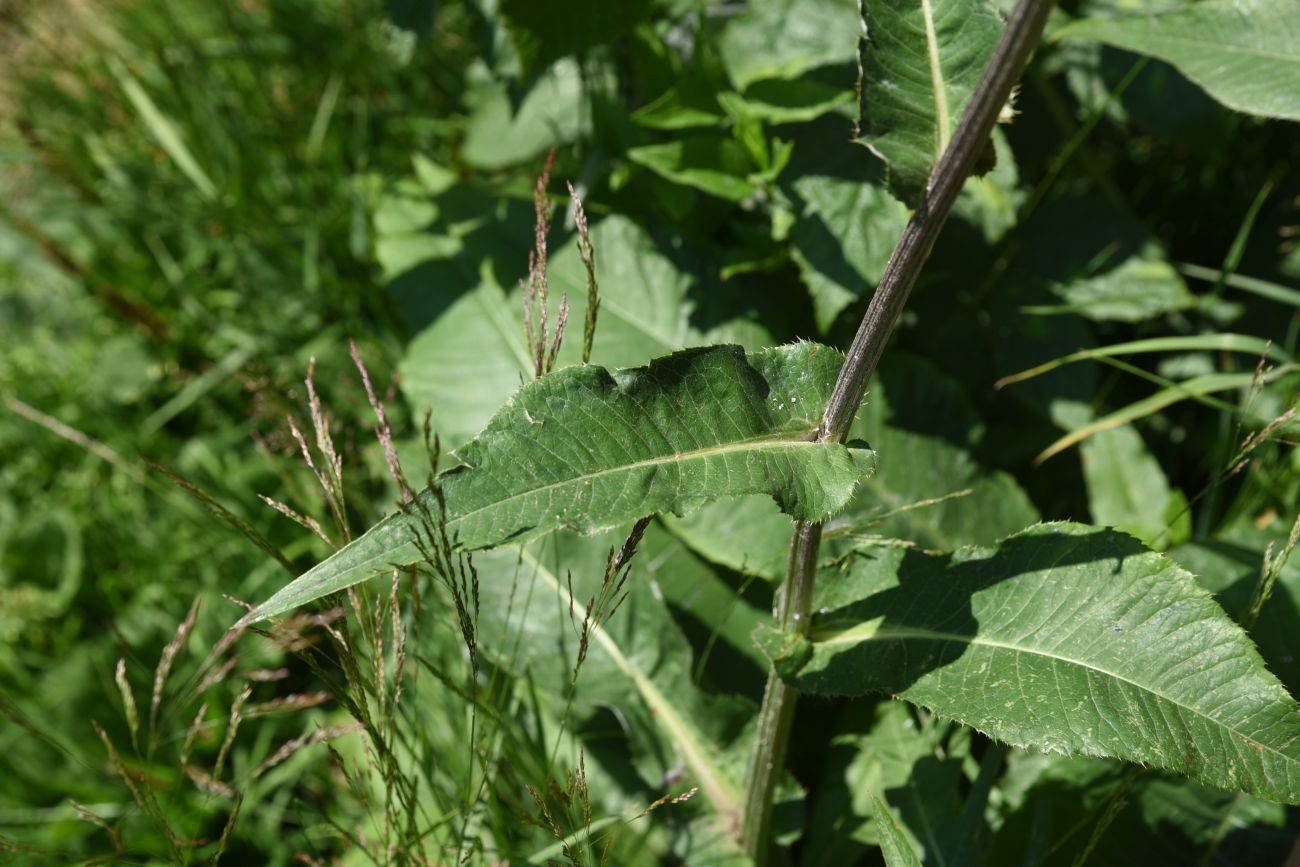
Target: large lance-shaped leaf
(586,449)
(1244,53)
(1065,638)
(920,62)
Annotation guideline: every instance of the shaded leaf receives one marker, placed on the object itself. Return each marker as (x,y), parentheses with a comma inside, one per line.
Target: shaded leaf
(785,38)
(911,763)
(920,63)
(1244,53)
(894,845)
(842,240)
(546,30)
(1065,638)
(1101,263)
(1051,804)
(1127,489)
(585,449)
(712,164)
(499,133)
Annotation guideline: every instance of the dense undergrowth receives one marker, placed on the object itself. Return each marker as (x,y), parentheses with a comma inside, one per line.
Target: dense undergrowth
(202,203)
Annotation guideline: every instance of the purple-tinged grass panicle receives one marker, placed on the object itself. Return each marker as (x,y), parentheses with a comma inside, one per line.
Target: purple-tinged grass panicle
(535,288)
(382,430)
(587,253)
(165,662)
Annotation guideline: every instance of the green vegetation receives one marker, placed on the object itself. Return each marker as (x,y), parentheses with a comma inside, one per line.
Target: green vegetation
(405,405)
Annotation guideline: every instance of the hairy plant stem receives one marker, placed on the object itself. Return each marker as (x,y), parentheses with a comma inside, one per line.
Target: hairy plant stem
(1019,36)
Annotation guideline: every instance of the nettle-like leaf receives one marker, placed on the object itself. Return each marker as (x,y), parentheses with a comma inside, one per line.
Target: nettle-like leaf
(920,61)
(1244,53)
(929,488)
(586,449)
(1065,638)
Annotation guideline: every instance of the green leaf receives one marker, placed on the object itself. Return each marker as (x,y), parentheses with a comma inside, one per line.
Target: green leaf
(546,30)
(709,163)
(1101,263)
(920,62)
(1229,566)
(586,449)
(914,765)
(472,356)
(1244,53)
(1065,638)
(842,240)
(499,134)
(797,101)
(1127,489)
(785,38)
(922,421)
(894,845)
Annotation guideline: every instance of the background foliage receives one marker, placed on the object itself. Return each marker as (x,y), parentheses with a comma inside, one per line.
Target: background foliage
(200,198)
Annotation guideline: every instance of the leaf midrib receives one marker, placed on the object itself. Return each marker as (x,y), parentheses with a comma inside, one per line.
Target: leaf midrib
(871,631)
(780,441)
(941,117)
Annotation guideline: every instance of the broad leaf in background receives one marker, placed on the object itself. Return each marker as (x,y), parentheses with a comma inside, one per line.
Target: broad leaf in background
(585,449)
(921,424)
(1127,489)
(1101,263)
(713,164)
(791,101)
(842,239)
(1245,53)
(784,38)
(1044,798)
(546,30)
(472,357)
(1157,99)
(501,132)
(915,766)
(920,63)
(1065,638)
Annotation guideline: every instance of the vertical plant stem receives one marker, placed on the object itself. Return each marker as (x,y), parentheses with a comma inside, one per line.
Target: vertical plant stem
(775,720)
(1018,39)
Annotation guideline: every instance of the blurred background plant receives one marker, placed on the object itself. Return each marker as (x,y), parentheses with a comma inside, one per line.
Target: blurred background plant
(197,199)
